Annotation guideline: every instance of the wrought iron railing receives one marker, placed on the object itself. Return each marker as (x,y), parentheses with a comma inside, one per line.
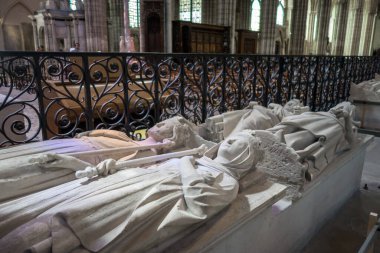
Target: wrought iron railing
(56,95)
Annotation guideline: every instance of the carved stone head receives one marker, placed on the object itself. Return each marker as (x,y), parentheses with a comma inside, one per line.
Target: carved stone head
(240,152)
(171,128)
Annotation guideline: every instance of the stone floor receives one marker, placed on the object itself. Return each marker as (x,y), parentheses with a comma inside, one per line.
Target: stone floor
(347,230)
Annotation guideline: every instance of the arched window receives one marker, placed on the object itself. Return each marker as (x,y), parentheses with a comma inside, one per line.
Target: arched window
(190,10)
(280,12)
(134,13)
(255,15)
(73,4)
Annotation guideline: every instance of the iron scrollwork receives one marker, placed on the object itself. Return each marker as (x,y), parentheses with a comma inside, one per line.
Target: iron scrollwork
(56,95)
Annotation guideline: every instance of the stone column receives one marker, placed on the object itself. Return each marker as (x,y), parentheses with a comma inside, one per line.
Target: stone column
(96,25)
(47,32)
(340,26)
(70,41)
(369,19)
(168,27)
(311,17)
(322,39)
(35,33)
(243,14)
(116,8)
(227,17)
(53,45)
(354,26)
(298,27)
(288,17)
(1,34)
(142,26)
(268,26)
(75,23)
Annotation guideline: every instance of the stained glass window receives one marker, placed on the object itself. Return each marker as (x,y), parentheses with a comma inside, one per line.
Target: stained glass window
(73,5)
(190,10)
(280,12)
(134,13)
(255,15)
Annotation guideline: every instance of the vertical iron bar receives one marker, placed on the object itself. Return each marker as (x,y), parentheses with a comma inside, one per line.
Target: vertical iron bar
(291,75)
(223,107)
(182,88)
(267,80)
(306,59)
(204,89)
(157,107)
(240,83)
(314,94)
(126,97)
(40,95)
(87,90)
(279,80)
(255,67)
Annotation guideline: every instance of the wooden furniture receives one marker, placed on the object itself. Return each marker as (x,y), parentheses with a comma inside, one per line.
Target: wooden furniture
(247,41)
(189,37)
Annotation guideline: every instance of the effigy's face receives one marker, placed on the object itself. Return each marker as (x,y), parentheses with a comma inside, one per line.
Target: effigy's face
(232,147)
(163,130)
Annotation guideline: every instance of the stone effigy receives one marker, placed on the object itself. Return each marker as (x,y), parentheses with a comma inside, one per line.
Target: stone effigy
(107,213)
(366,96)
(365,91)
(160,201)
(318,137)
(255,117)
(27,168)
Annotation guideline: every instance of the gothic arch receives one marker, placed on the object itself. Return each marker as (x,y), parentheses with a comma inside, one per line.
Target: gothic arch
(16,28)
(13,6)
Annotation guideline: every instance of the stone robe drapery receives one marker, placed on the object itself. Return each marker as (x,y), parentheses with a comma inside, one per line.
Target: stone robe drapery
(108,214)
(257,118)
(19,175)
(301,131)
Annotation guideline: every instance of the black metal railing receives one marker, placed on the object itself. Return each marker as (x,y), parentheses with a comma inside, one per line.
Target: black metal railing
(56,95)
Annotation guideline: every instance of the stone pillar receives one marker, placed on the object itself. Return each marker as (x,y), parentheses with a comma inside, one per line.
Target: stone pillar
(288,17)
(1,34)
(116,9)
(322,40)
(243,14)
(354,26)
(142,26)
(96,25)
(311,17)
(268,26)
(129,40)
(168,27)
(76,32)
(369,19)
(35,33)
(340,26)
(298,27)
(47,32)
(227,17)
(53,45)
(70,40)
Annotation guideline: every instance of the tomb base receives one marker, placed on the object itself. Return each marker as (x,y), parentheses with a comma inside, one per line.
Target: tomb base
(283,227)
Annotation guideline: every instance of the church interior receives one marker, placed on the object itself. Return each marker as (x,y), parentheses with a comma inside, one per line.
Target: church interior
(189,126)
